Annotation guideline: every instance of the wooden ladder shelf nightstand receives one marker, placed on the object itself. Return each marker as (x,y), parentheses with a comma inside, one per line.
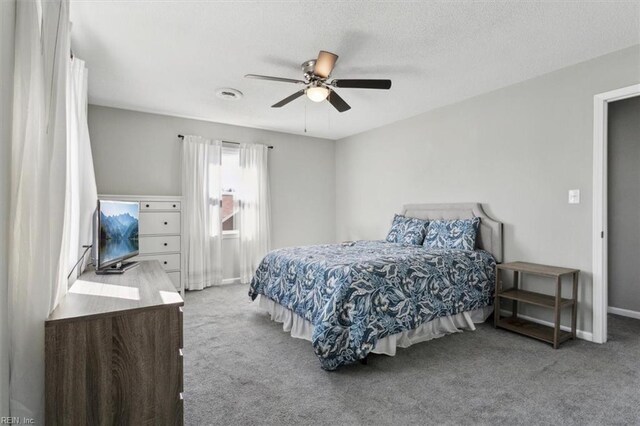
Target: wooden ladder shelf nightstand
(553,335)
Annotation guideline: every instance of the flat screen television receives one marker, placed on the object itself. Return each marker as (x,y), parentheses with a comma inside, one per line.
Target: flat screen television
(116,235)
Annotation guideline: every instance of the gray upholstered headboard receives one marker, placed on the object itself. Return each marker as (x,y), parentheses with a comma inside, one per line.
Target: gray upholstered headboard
(490,238)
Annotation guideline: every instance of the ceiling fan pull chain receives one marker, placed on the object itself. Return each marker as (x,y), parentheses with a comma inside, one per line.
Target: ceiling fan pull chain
(305,117)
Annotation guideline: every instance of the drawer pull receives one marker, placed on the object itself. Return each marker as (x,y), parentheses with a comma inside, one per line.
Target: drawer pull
(174,206)
(147,205)
(166,244)
(166,223)
(165,262)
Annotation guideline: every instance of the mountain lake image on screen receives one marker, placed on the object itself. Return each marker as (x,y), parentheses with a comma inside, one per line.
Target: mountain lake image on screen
(118,231)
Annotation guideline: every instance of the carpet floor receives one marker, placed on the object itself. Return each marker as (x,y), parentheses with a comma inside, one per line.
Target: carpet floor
(240,368)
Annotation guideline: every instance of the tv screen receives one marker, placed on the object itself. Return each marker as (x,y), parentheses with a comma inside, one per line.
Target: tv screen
(118,231)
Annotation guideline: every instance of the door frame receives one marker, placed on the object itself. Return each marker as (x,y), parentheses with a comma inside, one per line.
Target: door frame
(600,234)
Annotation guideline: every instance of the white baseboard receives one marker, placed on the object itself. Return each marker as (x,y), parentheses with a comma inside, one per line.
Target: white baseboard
(231,281)
(623,312)
(580,334)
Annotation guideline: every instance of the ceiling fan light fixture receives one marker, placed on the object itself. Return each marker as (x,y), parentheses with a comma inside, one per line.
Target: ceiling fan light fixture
(317,93)
(325,63)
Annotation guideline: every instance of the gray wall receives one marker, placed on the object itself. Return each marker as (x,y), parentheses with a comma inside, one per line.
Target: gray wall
(7,20)
(624,203)
(139,153)
(517,150)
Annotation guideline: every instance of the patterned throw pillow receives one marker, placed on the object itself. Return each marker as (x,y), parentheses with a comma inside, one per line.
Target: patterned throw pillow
(407,230)
(452,234)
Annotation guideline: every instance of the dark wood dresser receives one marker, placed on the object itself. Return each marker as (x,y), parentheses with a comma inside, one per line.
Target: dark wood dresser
(113,351)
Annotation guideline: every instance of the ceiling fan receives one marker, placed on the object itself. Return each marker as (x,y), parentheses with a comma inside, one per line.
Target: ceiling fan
(317,84)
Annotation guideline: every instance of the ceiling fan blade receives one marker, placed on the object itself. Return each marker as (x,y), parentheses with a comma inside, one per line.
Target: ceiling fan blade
(280,79)
(337,102)
(325,63)
(362,84)
(288,99)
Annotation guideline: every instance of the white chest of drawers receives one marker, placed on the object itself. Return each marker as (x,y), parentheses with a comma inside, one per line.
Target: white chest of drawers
(160,232)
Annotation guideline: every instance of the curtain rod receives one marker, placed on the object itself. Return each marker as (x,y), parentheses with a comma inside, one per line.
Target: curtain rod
(234,143)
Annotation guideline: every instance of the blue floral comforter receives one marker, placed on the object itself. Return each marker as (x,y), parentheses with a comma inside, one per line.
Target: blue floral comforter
(356,294)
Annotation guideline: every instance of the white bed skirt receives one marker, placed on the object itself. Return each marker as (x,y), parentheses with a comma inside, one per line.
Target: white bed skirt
(302,329)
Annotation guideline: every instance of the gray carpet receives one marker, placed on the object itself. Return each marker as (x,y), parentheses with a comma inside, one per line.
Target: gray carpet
(241,368)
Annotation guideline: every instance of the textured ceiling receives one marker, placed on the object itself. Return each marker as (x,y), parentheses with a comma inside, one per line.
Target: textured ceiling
(170,56)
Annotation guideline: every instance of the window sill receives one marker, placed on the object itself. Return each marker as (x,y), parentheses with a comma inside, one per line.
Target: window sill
(230,234)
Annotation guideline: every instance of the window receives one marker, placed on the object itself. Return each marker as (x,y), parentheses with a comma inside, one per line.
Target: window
(230,182)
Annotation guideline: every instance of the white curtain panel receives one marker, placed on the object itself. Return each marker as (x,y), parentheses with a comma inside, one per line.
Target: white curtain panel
(254,222)
(7,26)
(82,193)
(201,192)
(38,185)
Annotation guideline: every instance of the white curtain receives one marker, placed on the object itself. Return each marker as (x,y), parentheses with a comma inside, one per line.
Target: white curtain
(82,193)
(254,222)
(7,27)
(201,192)
(38,186)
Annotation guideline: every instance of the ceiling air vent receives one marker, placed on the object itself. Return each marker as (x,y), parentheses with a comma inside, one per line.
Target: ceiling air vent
(229,94)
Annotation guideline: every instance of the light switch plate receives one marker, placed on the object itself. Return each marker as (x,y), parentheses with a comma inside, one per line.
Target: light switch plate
(574,196)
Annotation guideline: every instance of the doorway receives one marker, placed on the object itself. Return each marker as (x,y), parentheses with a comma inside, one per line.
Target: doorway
(601,232)
(623,212)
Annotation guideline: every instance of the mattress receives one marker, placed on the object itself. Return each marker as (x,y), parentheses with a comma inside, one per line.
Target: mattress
(355,295)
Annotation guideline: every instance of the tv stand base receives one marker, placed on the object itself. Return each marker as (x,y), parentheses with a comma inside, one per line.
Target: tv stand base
(118,268)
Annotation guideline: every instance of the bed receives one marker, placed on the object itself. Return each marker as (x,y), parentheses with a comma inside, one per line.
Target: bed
(362,297)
